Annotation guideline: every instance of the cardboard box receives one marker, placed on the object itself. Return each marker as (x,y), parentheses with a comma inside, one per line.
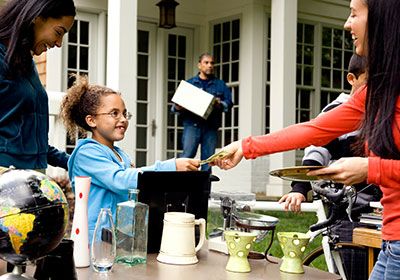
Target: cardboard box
(194,99)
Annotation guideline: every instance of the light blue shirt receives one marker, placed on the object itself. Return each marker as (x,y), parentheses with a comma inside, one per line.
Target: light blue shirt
(111,178)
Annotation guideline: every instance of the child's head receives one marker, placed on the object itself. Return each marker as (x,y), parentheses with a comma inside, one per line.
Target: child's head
(94,108)
(357,72)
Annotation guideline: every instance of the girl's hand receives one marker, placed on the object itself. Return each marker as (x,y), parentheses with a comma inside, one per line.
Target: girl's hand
(348,171)
(235,156)
(292,201)
(187,164)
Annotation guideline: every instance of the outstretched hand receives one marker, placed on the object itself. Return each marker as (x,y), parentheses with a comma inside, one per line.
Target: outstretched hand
(235,156)
(292,201)
(348,171)
(187,164)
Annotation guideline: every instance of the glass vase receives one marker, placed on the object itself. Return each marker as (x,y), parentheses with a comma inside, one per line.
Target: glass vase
(103,247)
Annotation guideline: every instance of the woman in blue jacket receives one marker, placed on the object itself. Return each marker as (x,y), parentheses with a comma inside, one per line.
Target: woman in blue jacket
(27,28)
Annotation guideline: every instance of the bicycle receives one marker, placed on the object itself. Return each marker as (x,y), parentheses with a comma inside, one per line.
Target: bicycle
(342,254)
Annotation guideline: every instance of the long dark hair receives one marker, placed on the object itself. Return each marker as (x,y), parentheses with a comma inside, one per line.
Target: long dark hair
(383,77)
(16,28)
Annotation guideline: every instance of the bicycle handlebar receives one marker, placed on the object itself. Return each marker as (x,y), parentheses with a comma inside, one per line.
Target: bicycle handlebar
(340,200)
(332,194)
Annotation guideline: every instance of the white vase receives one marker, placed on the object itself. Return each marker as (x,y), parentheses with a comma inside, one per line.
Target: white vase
(79,231)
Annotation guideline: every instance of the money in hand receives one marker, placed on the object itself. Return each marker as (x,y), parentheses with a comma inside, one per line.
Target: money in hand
(220,155)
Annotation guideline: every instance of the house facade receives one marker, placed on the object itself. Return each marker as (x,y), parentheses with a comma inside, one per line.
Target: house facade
(283,60)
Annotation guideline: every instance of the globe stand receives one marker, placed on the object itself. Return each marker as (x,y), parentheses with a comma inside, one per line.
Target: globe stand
(16,274)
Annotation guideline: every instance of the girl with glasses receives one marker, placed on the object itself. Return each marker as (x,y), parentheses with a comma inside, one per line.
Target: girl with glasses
(101,111)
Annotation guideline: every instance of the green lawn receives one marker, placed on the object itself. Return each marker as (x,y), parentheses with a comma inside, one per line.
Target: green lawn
(288,221)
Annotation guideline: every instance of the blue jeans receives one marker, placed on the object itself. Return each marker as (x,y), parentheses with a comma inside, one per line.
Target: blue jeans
(195,135)
(387,266)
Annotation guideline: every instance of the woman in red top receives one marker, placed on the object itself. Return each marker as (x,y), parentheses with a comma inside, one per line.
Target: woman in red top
(375,110)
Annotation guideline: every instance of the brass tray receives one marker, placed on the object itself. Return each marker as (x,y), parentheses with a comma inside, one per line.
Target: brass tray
(296,173)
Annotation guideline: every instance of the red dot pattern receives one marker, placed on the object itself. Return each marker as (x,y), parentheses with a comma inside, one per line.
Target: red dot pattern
(77,231)
(80,195)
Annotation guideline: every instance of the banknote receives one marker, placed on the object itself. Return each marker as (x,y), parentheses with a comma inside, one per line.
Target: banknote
(221,154)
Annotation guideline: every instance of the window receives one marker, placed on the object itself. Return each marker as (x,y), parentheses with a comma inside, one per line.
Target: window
(176,73)
(268,80)
(304,72)
(77,62)
(226,42)
(142,99)
(78,50)
(80,47)
(334,47)
(337,49)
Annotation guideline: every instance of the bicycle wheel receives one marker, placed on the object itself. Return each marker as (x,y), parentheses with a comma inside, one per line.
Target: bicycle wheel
(353,259)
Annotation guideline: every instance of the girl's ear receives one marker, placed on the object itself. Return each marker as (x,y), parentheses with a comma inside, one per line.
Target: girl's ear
(90,120)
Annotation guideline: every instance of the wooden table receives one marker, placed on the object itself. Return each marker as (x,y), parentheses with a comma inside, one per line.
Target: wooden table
(211,266)
(371,238)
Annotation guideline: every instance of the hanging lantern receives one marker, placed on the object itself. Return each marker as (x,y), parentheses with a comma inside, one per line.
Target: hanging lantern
(167,13)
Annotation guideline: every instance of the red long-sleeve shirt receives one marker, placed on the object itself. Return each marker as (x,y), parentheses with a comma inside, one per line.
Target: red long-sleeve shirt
(345,118)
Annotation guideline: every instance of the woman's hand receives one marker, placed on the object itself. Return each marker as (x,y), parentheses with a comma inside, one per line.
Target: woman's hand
(235,156)
(348,171)
(292,201)
(187,164)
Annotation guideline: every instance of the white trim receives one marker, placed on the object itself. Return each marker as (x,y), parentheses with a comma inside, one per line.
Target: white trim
(152,97)
(101,48)
(161,90)
(54,68)
(283,82)
(122,58)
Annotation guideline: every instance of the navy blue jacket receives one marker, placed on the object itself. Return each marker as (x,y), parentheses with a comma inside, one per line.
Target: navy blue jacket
(217,88)
(24,122)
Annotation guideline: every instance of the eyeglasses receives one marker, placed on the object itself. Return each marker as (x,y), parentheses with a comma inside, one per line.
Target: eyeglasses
(117,115)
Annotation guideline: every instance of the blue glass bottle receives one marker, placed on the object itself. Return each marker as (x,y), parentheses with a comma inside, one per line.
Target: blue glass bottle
(131,230)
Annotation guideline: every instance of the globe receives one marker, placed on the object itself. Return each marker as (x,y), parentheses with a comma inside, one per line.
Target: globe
(33,215)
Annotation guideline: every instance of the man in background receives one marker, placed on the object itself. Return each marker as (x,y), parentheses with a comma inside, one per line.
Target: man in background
(196,130)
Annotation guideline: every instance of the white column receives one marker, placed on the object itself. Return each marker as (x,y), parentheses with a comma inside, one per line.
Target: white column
(283,82)
(54,69)
(101,48)
(54,86)
(161,90)
(122,60)
(246,177)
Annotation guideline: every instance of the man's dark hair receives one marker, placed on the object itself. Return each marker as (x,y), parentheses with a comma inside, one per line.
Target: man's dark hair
(203,55)
(16,28)
(357,65)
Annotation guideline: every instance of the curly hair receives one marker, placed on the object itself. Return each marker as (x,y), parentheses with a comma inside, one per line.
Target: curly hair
(82,99)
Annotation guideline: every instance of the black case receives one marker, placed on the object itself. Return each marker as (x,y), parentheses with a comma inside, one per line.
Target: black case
(173,191)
